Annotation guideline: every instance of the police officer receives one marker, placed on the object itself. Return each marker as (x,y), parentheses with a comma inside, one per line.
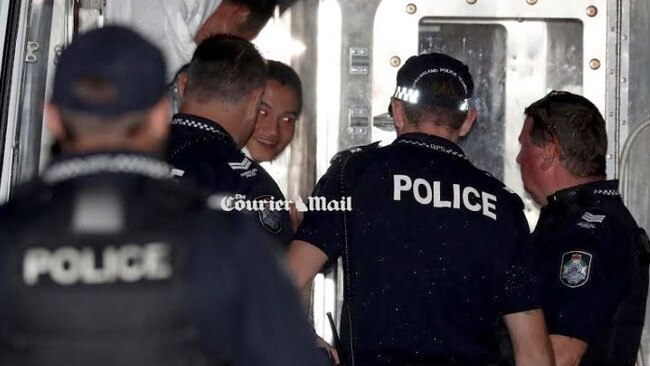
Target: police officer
(592,256)
(221,91)
(434,249)
(104,260)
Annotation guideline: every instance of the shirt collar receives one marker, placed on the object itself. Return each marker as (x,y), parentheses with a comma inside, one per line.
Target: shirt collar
(588,192)
(432,142)
(202,125)
(71,166)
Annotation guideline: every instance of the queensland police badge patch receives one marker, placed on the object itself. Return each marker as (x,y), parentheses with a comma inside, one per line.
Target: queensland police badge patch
(574,271)
(271,219)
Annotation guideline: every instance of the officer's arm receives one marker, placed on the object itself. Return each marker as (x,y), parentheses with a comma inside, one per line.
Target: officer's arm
(567,350)
(304,260)
(530,340)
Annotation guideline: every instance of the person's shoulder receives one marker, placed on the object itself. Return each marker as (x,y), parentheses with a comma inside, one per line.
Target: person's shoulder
(357,152)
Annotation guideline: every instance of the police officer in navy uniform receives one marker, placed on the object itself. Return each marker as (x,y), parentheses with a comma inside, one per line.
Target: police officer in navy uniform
(434,250)
(591,254)
(105,260)
(221,96)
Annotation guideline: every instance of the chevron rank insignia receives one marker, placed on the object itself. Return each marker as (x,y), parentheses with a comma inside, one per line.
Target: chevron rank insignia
(243,165)
(270,219)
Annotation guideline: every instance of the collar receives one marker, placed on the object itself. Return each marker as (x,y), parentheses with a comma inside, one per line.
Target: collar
(586,193)
(74,166)
(431,142)
(200,124)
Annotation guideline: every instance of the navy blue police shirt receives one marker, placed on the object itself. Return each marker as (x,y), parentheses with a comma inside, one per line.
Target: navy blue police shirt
(105,260)
(203,152)
(594,272)
(435,250)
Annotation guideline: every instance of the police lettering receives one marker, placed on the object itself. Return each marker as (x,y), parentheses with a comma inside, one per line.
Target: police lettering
(427,193)
(69,265)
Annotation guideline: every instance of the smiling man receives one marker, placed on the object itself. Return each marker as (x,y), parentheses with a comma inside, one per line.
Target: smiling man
(280,109)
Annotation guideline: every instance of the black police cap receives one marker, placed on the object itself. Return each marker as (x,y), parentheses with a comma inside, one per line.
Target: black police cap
(436,65)
(108,72)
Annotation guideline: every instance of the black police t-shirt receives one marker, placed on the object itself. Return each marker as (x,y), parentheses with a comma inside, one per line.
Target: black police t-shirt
(589,262)
(435,250)
(203,152)
(105,260)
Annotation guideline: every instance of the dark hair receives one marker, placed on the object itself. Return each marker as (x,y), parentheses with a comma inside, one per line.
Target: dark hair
(441,116)
(578,128)
(225,68)
(285,75)
(260,13)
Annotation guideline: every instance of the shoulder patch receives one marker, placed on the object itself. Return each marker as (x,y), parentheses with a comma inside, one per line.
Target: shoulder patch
(355,150)
(269,218)
(575,268)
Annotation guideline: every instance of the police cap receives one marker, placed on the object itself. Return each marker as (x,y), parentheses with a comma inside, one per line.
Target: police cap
(434,65)
(108,72)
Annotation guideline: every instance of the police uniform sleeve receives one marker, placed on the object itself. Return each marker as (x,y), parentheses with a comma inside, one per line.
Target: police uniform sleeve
(321,228)
(514,282)
(250,310)
(587,271)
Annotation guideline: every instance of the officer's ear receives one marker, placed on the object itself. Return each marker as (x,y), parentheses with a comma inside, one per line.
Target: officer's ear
(399,117)
(550,155)
(467,125)
(253,103)
(158,120)
(54,121)
(183,77)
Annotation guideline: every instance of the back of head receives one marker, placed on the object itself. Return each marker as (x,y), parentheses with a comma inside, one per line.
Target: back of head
(435,88)
(260,13)
(225,68)
(285,76)
(576,126)
(106,82)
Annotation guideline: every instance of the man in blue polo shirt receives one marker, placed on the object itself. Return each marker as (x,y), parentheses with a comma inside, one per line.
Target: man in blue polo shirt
(592,256)
(434,250)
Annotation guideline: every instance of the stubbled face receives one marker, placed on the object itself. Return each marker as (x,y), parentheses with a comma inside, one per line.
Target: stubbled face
(276,122)
(530,160)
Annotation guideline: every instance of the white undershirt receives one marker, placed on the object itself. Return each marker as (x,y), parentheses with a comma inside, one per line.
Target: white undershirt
(169,24)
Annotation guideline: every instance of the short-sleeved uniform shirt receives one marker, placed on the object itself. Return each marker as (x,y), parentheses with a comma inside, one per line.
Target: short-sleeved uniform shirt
(203,152)
(435,250)
(106,260)
(593,271)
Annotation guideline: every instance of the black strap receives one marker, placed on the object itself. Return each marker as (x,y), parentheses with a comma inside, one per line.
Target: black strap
(345,358)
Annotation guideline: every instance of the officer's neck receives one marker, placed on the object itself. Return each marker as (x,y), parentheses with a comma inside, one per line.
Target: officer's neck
(91,145)
(558,179)
(431,129)
(227,115)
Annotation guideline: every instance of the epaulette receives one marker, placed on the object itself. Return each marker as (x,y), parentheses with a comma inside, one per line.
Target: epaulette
(355,150)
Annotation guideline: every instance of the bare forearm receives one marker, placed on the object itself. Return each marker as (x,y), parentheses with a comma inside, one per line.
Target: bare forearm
(530,340)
